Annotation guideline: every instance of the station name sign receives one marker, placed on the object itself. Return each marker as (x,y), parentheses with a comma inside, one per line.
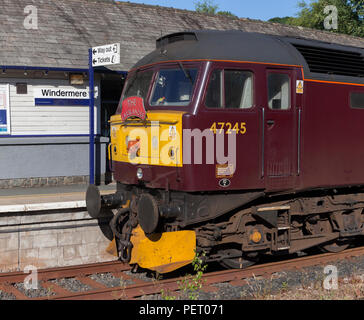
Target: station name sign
(44,96)
(106,55)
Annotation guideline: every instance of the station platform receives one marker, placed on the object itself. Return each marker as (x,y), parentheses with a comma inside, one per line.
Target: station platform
(47,198)
(48,227)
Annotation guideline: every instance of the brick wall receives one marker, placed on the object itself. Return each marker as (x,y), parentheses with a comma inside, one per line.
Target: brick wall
(52,239)
(51,181)
(42,182)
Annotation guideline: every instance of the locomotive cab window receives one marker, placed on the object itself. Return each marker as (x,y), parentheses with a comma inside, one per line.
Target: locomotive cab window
(238,89)
(214,93)
(279,95)
(357,100)
(230,89)
(137,85)
(173,87)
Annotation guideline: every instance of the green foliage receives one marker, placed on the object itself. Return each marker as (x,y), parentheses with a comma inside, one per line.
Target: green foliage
(349,20)
(191,285)
(209,7)
(227,13)
(166,295)
(206,6)
(312,15)
(284,20)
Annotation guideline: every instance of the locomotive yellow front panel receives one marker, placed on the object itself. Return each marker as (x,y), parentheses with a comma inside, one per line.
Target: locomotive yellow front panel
(155,141)
(163,252)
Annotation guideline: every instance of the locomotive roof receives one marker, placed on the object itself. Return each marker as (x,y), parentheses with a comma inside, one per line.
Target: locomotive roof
(320,60)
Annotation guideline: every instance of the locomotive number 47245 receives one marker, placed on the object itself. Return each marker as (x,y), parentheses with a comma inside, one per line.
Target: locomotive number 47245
(239,127)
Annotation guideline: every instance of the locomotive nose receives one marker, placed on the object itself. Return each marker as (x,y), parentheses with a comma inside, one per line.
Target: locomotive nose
(148,213)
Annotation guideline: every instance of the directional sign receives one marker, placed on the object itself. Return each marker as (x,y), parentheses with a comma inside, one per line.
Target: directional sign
(106,55)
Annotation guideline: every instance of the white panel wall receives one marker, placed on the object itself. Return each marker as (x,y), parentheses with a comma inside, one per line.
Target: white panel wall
(28,119)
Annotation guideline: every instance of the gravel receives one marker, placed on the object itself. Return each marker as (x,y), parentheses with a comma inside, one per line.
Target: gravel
(71,284)
(108,280)
(145,276)
(34,293)
(6,296)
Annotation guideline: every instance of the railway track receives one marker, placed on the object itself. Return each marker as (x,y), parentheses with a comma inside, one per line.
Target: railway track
(135,287)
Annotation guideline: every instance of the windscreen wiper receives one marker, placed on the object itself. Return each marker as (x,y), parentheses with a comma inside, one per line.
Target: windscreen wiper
(186,72)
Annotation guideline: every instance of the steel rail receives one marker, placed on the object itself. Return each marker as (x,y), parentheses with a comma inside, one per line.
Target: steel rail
(66,272)
(234,276)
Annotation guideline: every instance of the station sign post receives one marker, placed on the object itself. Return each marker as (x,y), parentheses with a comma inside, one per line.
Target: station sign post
(98,56)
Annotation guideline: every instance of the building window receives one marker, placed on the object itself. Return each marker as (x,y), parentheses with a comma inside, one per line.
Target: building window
(357,100)
(279,91)
(236,93)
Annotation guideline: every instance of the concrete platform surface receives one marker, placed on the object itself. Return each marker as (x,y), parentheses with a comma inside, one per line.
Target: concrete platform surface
(47,198)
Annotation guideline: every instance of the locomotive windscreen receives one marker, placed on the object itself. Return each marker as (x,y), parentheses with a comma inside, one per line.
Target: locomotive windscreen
(137,85)
(173,87)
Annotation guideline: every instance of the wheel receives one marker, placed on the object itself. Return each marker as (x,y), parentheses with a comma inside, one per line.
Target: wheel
(335,246)
(237,261)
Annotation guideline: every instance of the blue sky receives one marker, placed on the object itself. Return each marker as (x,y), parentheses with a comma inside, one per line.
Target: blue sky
(253,9)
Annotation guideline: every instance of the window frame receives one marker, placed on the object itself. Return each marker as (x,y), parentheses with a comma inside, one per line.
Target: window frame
(167,65)
(290,88)
(118,109)
(172,67)
(222,87)
(350,99)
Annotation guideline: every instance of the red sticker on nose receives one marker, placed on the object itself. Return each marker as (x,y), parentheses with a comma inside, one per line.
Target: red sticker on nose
(133,107)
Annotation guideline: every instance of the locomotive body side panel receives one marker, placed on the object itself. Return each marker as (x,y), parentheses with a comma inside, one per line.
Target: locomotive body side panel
(244,123)
(332,136)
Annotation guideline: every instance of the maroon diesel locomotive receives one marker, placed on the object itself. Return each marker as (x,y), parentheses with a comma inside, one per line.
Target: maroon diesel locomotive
(238,145)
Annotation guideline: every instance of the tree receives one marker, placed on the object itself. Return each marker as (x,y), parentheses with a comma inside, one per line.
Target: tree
(350,16)
(227,13)
(206,6)
(209,7)
(284,20)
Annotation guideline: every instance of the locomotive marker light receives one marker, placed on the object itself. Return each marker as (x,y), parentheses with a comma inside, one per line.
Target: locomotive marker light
(140,173)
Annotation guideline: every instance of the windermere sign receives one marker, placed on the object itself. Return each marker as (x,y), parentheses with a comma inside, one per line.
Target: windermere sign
(66,96)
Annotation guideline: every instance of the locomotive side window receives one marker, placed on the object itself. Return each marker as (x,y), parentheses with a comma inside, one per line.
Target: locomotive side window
(238,89)
(214,90)
(279,91)
(357,100)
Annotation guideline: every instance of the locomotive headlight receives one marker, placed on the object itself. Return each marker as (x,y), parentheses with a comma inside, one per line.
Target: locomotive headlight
(139,173)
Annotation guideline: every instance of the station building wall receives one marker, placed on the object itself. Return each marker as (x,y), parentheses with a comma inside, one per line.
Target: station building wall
(45,143)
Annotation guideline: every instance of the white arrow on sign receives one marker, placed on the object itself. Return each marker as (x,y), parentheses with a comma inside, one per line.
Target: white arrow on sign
(106,55)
